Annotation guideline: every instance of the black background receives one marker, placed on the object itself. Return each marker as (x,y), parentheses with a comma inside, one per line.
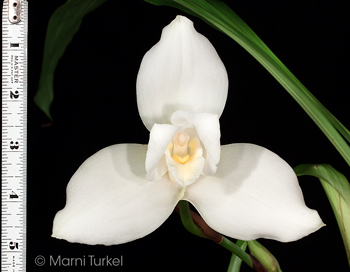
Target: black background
(95,106)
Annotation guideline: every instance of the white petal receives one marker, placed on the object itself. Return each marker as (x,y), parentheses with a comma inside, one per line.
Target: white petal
(110,202)
(160,138)
(208,129)
(254,194)
(181,72)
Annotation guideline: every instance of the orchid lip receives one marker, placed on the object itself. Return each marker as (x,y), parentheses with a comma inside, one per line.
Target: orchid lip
(192,143)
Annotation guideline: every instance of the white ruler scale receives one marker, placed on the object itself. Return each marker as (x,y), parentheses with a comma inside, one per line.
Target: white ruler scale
(14,135)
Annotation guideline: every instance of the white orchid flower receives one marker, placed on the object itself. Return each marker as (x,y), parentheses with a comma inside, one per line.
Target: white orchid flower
(126,191)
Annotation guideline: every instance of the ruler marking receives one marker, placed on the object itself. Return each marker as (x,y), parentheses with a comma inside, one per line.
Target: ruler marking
(14,139)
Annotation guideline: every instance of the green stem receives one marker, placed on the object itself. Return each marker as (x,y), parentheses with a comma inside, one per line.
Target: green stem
(186,219)
(235,261)
(235,249)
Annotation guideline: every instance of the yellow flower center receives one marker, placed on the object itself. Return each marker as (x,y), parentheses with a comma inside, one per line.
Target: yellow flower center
(184,158)
(180,147)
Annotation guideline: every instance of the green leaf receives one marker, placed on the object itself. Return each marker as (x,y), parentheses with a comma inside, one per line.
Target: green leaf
(235,262)
(63,24)
(337,189)
(264,256)
(327,173)
(220,16)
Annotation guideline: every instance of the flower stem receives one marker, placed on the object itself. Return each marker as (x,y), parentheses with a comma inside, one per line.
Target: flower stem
(235,261)
(186,219)
(196,225)
(235,249)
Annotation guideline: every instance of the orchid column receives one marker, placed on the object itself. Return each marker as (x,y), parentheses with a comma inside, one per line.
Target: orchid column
(126,191)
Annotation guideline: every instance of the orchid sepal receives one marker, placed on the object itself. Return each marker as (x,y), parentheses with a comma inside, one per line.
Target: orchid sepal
(181,72)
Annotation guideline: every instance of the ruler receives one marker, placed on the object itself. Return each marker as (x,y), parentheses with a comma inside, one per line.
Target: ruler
(14,135)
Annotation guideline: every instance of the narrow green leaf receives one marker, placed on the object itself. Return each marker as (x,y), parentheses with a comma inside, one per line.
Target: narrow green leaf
(341,211)
(327,173)
(337,189)
(235,262)
(63,24)
(219,15)
(264,256)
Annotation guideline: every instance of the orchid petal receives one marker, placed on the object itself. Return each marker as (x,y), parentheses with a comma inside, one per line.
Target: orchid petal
(110,202)
(181,72)
(254,194)
(208,129)
(160,137)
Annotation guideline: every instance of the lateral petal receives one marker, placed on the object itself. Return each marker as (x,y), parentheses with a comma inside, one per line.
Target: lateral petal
(181,72)
(110,202)
(159,139)
(254,194)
